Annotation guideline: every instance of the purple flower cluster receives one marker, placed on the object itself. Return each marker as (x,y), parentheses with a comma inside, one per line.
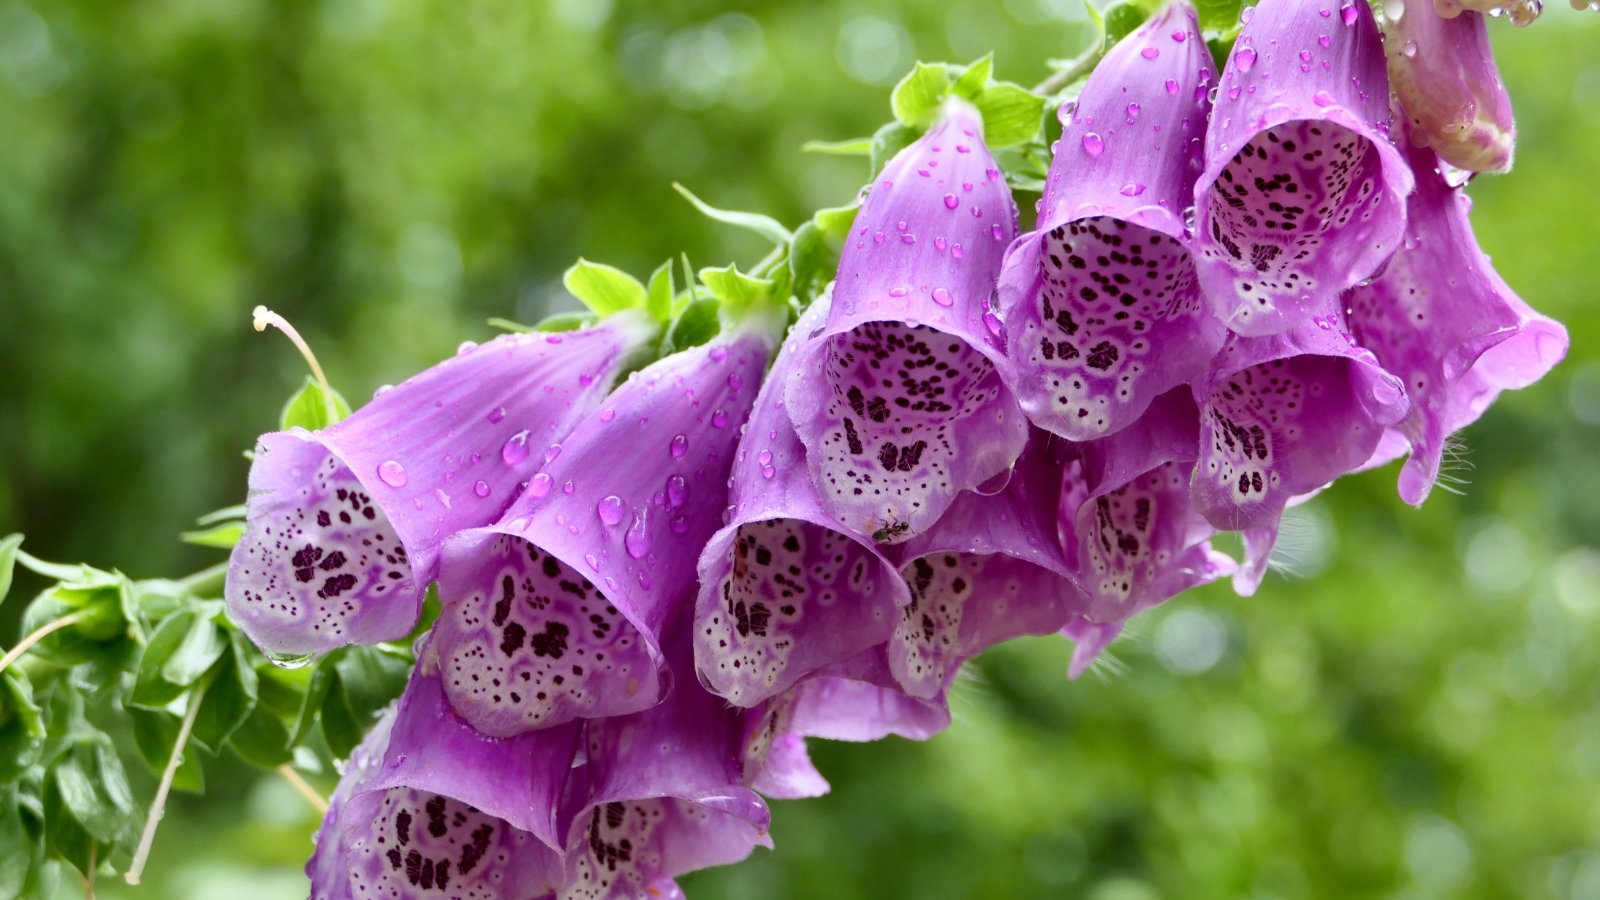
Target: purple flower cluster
(1240,287)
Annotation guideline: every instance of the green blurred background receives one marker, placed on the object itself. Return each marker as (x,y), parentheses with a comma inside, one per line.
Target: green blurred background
(1413,715)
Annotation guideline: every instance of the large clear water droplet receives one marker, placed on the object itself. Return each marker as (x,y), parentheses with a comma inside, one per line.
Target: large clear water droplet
(515,449)
(610,509)
(393,474)
(1245,59)
(679,447)
(1094,144)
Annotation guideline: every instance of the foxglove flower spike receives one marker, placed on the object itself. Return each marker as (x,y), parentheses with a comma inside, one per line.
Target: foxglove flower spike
(345,523)
(1102,308)
(1303,193)
(904,400)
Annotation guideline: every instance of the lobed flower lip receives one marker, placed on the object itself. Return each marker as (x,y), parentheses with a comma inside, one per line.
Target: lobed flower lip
(1299,73)
(750,648)
(1443,73)
(1444,322)
(905,400)
(554,612)
(345,523)
(1101,304)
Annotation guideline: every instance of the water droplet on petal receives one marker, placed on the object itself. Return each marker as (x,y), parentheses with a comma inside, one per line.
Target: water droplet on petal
(1133,112)
(1180,36)
(1323,98)
(392,473)
(1093,144)
(993,322)
(719,419)
(677,491)
(679,446)
(539,486)
(637,540)
(443,498)
(1132,189)
(997,232)
(679,524)
(289,660)
(941,296)
(719,353)
(568,488)
(951,201)
(497,414)
(593,562)
(1245,59)
(515,449)
(1172,86)
(1150,53)
(481,488)
(899,291)
(1349,14)
(610,509)
(735,382)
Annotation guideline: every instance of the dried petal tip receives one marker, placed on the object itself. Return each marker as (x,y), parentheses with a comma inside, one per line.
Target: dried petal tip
(1303,193)
(1443,72)
(1520,12)
(905,401)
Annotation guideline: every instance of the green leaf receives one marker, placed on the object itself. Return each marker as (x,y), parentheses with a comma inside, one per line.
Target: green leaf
(107,608)
(22,729)
(734,287)
(766,226)
(155,733)
(916,98)
(1125,17)
(1011,114)
(1219,18)
(183,647)
(371,677)
(307,408)
(694,325)
(230,695)
(223,537)
(224,514)
(262,740)
(660,292)
(835,222)
(604,289)
(974,79)
(92,786)
(19,847)
(8,561)
(567,321)
(852,147)
(508,325)
(889,140)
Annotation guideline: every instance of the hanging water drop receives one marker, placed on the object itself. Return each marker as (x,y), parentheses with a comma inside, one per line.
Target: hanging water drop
(392,473)
(610,509)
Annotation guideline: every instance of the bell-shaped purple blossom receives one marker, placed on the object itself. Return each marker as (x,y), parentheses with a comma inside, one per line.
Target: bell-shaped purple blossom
(904,401)
(1102,308)
(1285,415)
(847,702)
(1442,320)
(1303,194)
(992,568)
(554,612)
(1443,73)
(660,793)
(345,523)
(1135,539)
(429,808)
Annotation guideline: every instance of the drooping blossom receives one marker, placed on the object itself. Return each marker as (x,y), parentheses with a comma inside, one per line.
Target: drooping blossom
(1442,320)
(1520,12)
(1102,308)
(345,523)
(903,402)
(660,793)
(554,612)
(991,569)
(1133,535)
(1303,193)
(1443,73)
(786,588)
(1283,416)
(429,809)
(850,701)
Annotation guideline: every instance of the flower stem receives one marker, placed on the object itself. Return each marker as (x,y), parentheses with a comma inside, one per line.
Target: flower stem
(1079,66)
(159,804)
(39,634)
(88,874)
(304,789)
(262,317)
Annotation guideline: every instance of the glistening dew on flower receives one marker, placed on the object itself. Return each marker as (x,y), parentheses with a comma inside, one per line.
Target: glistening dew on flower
(345,523)
(1101,305)
(904,402)
(554,612)
(1303,193)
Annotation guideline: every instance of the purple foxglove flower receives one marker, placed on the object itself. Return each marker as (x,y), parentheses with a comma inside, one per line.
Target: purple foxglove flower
(429,808)
(1303,194)
(848,702)
(1101,304)
(785,587)
(1282,416)
(554,612)
(1443,72)
(992,568)
(1136,539)
(1442,320)
(903,401)
(660,793)
(345,523)
(1520,12)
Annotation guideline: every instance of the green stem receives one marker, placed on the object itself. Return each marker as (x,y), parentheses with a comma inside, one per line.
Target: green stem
(304,789)
(1080,66)
(159,804)
(39,634)
(770,261)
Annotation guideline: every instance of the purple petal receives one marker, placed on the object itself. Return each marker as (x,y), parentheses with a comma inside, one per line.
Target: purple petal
(785,587)
(1443,72)
(991,569)
(1137,540)
(903,402)
(661,793)
(1101,303)
(1284,415)
(345,523)
(553,613)
(1441,319)
(1303,192)
(429,809)
(848,702)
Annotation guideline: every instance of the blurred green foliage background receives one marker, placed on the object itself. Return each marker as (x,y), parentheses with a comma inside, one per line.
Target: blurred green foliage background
(1413,715)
